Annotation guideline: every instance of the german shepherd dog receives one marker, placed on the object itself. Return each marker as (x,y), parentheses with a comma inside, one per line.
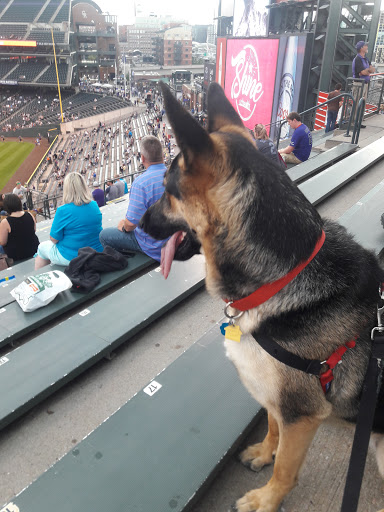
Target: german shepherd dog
(225,199)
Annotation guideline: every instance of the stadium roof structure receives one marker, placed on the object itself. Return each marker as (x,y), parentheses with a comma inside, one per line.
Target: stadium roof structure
(90,2)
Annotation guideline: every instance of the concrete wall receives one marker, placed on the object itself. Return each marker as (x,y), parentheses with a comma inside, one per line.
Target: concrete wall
(108,117)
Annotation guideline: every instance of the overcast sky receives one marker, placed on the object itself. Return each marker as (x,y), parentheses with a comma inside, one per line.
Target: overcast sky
(198,12)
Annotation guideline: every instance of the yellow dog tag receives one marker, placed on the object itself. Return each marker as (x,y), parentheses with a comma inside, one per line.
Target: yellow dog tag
(232,332)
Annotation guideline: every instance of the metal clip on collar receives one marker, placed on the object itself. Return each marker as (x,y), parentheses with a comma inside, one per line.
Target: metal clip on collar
(380,310)
(232,318)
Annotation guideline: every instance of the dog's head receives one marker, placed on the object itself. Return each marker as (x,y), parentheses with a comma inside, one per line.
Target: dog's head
(222,195)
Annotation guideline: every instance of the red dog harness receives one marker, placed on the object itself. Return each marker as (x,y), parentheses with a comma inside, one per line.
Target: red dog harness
(311,366)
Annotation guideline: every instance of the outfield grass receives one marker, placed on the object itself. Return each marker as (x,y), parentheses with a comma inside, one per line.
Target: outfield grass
(12,155)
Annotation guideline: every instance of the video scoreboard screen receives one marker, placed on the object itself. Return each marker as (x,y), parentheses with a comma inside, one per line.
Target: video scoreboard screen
(14,42)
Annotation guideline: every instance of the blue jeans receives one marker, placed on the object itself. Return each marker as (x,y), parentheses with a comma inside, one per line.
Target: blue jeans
(2,250)
(331,120)
(118,240)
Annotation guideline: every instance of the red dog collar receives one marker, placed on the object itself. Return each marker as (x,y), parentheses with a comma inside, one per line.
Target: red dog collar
(268,290)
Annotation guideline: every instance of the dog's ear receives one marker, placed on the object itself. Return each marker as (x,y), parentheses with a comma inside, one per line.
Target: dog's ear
(191,138)
(220,111)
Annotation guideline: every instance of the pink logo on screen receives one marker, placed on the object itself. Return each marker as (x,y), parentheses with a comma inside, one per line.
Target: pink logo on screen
(246,87)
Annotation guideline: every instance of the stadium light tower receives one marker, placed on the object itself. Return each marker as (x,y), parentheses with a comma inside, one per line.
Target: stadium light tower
(57,76)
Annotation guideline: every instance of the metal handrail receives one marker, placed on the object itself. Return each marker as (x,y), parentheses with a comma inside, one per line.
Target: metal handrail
(343,95)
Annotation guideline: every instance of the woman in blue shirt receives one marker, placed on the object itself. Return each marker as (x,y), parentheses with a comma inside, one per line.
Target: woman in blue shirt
(77,224)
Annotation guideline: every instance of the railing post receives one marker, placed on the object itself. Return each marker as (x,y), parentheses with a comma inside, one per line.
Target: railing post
(381,95)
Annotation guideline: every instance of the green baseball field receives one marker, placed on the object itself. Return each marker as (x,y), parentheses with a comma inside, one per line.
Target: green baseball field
(12,155)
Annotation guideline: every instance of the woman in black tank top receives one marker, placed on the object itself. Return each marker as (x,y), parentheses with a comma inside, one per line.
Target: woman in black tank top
(18,239)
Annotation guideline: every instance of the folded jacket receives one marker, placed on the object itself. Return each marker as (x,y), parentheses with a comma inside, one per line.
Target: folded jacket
(84,270)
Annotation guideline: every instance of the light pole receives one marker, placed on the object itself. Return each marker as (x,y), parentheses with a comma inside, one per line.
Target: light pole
(125,80)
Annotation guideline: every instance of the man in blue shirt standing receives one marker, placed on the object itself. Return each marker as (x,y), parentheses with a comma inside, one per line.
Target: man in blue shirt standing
(300,146)
(145,191)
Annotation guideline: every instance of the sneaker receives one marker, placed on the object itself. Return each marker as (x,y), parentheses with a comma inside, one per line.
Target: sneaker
(363,126)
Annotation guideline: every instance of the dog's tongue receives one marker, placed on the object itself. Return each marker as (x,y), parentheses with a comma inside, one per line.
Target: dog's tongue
(168,253)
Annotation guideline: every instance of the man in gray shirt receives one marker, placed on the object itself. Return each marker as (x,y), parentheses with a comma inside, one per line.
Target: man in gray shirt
(120,185)
(111,192)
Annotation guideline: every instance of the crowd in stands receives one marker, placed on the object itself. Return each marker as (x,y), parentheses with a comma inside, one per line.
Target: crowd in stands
(22,110)
(103,153)
(78,221)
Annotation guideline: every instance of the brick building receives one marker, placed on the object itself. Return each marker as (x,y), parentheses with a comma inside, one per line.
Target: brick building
(95,39)
(178,46)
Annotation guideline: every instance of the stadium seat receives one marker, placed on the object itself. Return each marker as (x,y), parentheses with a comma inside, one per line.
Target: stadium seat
(63,14)
(49,11)
(20,11)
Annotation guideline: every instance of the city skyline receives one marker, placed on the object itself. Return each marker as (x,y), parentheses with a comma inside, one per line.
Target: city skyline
(203,13)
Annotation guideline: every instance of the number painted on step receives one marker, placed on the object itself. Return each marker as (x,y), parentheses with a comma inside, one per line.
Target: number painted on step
(11,507)
(151,389)
(85,312)
(3,360)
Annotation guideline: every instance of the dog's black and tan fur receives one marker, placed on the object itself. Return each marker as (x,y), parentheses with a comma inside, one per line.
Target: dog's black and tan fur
(253,226)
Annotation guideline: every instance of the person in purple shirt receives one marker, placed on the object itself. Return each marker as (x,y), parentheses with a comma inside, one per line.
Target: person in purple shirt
(98,195)
(145,191)
(361,70)
(300,146)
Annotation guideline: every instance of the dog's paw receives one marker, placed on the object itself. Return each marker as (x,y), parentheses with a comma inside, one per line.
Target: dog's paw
(255,457)
(255,501)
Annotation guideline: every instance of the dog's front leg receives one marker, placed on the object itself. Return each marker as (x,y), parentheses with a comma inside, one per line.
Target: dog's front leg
(294,441)
(261,454)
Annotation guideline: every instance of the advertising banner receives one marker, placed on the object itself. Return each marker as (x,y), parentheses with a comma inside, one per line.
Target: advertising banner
(221,53)
(250,78)
(250,18)
(289,75)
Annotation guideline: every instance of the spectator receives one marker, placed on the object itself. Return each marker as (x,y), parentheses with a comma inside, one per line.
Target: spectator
(333,108)
(300,146)
(18,239)
(20,191)
(98,195)
(77,224)
(361,70)
(120,186)
(265,145)
(125,185)
(111,192)
(145,190)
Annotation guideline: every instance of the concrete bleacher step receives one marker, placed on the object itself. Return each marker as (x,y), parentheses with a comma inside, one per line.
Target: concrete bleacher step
(50,360)
(334,142)
(319,187)
(363,219)
(15,323)
(303,171)
(158,450)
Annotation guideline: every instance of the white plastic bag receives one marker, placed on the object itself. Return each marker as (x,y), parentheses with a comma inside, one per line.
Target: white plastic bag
(38,291)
